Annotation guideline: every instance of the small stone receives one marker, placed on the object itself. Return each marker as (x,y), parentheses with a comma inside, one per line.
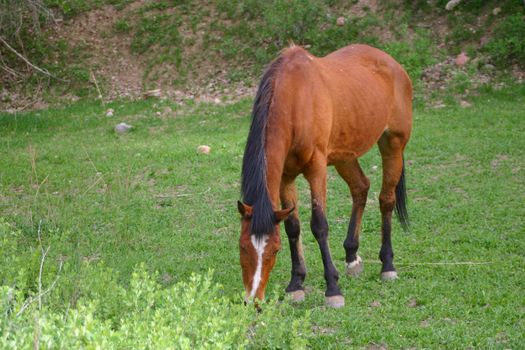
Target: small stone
(109,112)
(496,11)
(451,4)
(158,114)
(122,128)
(152,93)
(374,168)
(465,104)
(489,66)
(375,303)
(461,59)
(217,100)
(204,149)
(412,303)
(340,21)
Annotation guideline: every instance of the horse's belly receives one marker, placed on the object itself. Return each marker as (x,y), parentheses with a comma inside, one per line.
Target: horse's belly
(354,134)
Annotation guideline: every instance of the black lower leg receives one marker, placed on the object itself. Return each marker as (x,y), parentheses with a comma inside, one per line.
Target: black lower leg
(293,231)
(319,227)
(386,254)
(351,243)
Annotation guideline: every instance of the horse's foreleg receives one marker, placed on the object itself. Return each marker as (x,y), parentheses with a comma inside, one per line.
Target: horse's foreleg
(293,231)
(359,184)
(316,176)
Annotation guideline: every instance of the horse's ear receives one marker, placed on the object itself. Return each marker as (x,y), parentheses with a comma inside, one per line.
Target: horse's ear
(283,214)
(244,209)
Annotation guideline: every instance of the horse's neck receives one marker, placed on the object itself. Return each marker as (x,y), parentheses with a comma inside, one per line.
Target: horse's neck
(275,157)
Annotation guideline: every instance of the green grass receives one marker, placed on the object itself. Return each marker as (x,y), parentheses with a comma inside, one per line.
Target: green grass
(116,201)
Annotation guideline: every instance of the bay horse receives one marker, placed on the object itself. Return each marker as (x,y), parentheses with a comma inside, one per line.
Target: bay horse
(311,112)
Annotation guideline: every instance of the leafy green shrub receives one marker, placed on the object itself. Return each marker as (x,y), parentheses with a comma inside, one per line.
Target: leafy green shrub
(156,29)
(193,314)
(19,267)
(508,42)
(291,20)
(414,56)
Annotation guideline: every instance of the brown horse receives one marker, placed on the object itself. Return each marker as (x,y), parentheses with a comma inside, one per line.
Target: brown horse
(311,112)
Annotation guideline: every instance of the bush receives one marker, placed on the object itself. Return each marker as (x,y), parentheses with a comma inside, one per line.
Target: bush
(508,42)
(188,315)
(414,56)
(291,20)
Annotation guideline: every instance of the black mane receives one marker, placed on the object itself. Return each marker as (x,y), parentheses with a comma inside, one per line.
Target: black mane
(254,189)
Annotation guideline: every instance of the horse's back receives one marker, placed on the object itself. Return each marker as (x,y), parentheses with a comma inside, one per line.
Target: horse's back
(370,93)
(372,72)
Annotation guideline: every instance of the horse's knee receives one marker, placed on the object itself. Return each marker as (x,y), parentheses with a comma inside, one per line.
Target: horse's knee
(387,201)
(319,224)
(360,193)
(292,228)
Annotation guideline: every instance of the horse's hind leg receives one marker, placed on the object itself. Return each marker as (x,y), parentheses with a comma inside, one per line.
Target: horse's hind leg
(316,175)
(291,224)
(359,184)
(391,148)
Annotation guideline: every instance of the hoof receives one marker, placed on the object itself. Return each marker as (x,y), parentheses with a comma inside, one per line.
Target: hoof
(335,301)
(297,296)
(388,275)
(355,267)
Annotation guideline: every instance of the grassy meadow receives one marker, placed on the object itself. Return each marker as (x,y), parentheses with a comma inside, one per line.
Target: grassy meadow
(106,203)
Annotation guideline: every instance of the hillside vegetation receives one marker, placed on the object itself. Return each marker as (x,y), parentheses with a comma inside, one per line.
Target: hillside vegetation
(121,48)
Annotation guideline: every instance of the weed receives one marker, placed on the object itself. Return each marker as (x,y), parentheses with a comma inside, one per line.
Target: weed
(122,26)
(508,43)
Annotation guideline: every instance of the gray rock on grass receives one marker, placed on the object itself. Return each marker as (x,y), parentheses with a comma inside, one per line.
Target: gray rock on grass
(122,128)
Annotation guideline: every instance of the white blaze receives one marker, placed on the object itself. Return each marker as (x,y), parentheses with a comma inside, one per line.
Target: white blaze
(259,245)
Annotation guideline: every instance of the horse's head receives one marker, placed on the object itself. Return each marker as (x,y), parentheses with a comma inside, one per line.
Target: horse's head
(258,253)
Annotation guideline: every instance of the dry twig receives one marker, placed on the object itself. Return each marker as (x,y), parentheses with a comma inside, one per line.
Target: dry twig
(96,85)
(41,70)
(40,292)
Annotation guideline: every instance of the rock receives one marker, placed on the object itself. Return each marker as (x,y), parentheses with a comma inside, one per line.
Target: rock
(109,112)
(340,21)
(152,93)
(465,104)
(217,100)
(489,66)
(451,4)
(204,149)
(122,128)
(412,303)
(496,11)
(461,59)
(374,168)
(375,303)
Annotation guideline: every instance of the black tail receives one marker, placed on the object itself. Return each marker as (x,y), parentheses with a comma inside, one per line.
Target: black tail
(401,202)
